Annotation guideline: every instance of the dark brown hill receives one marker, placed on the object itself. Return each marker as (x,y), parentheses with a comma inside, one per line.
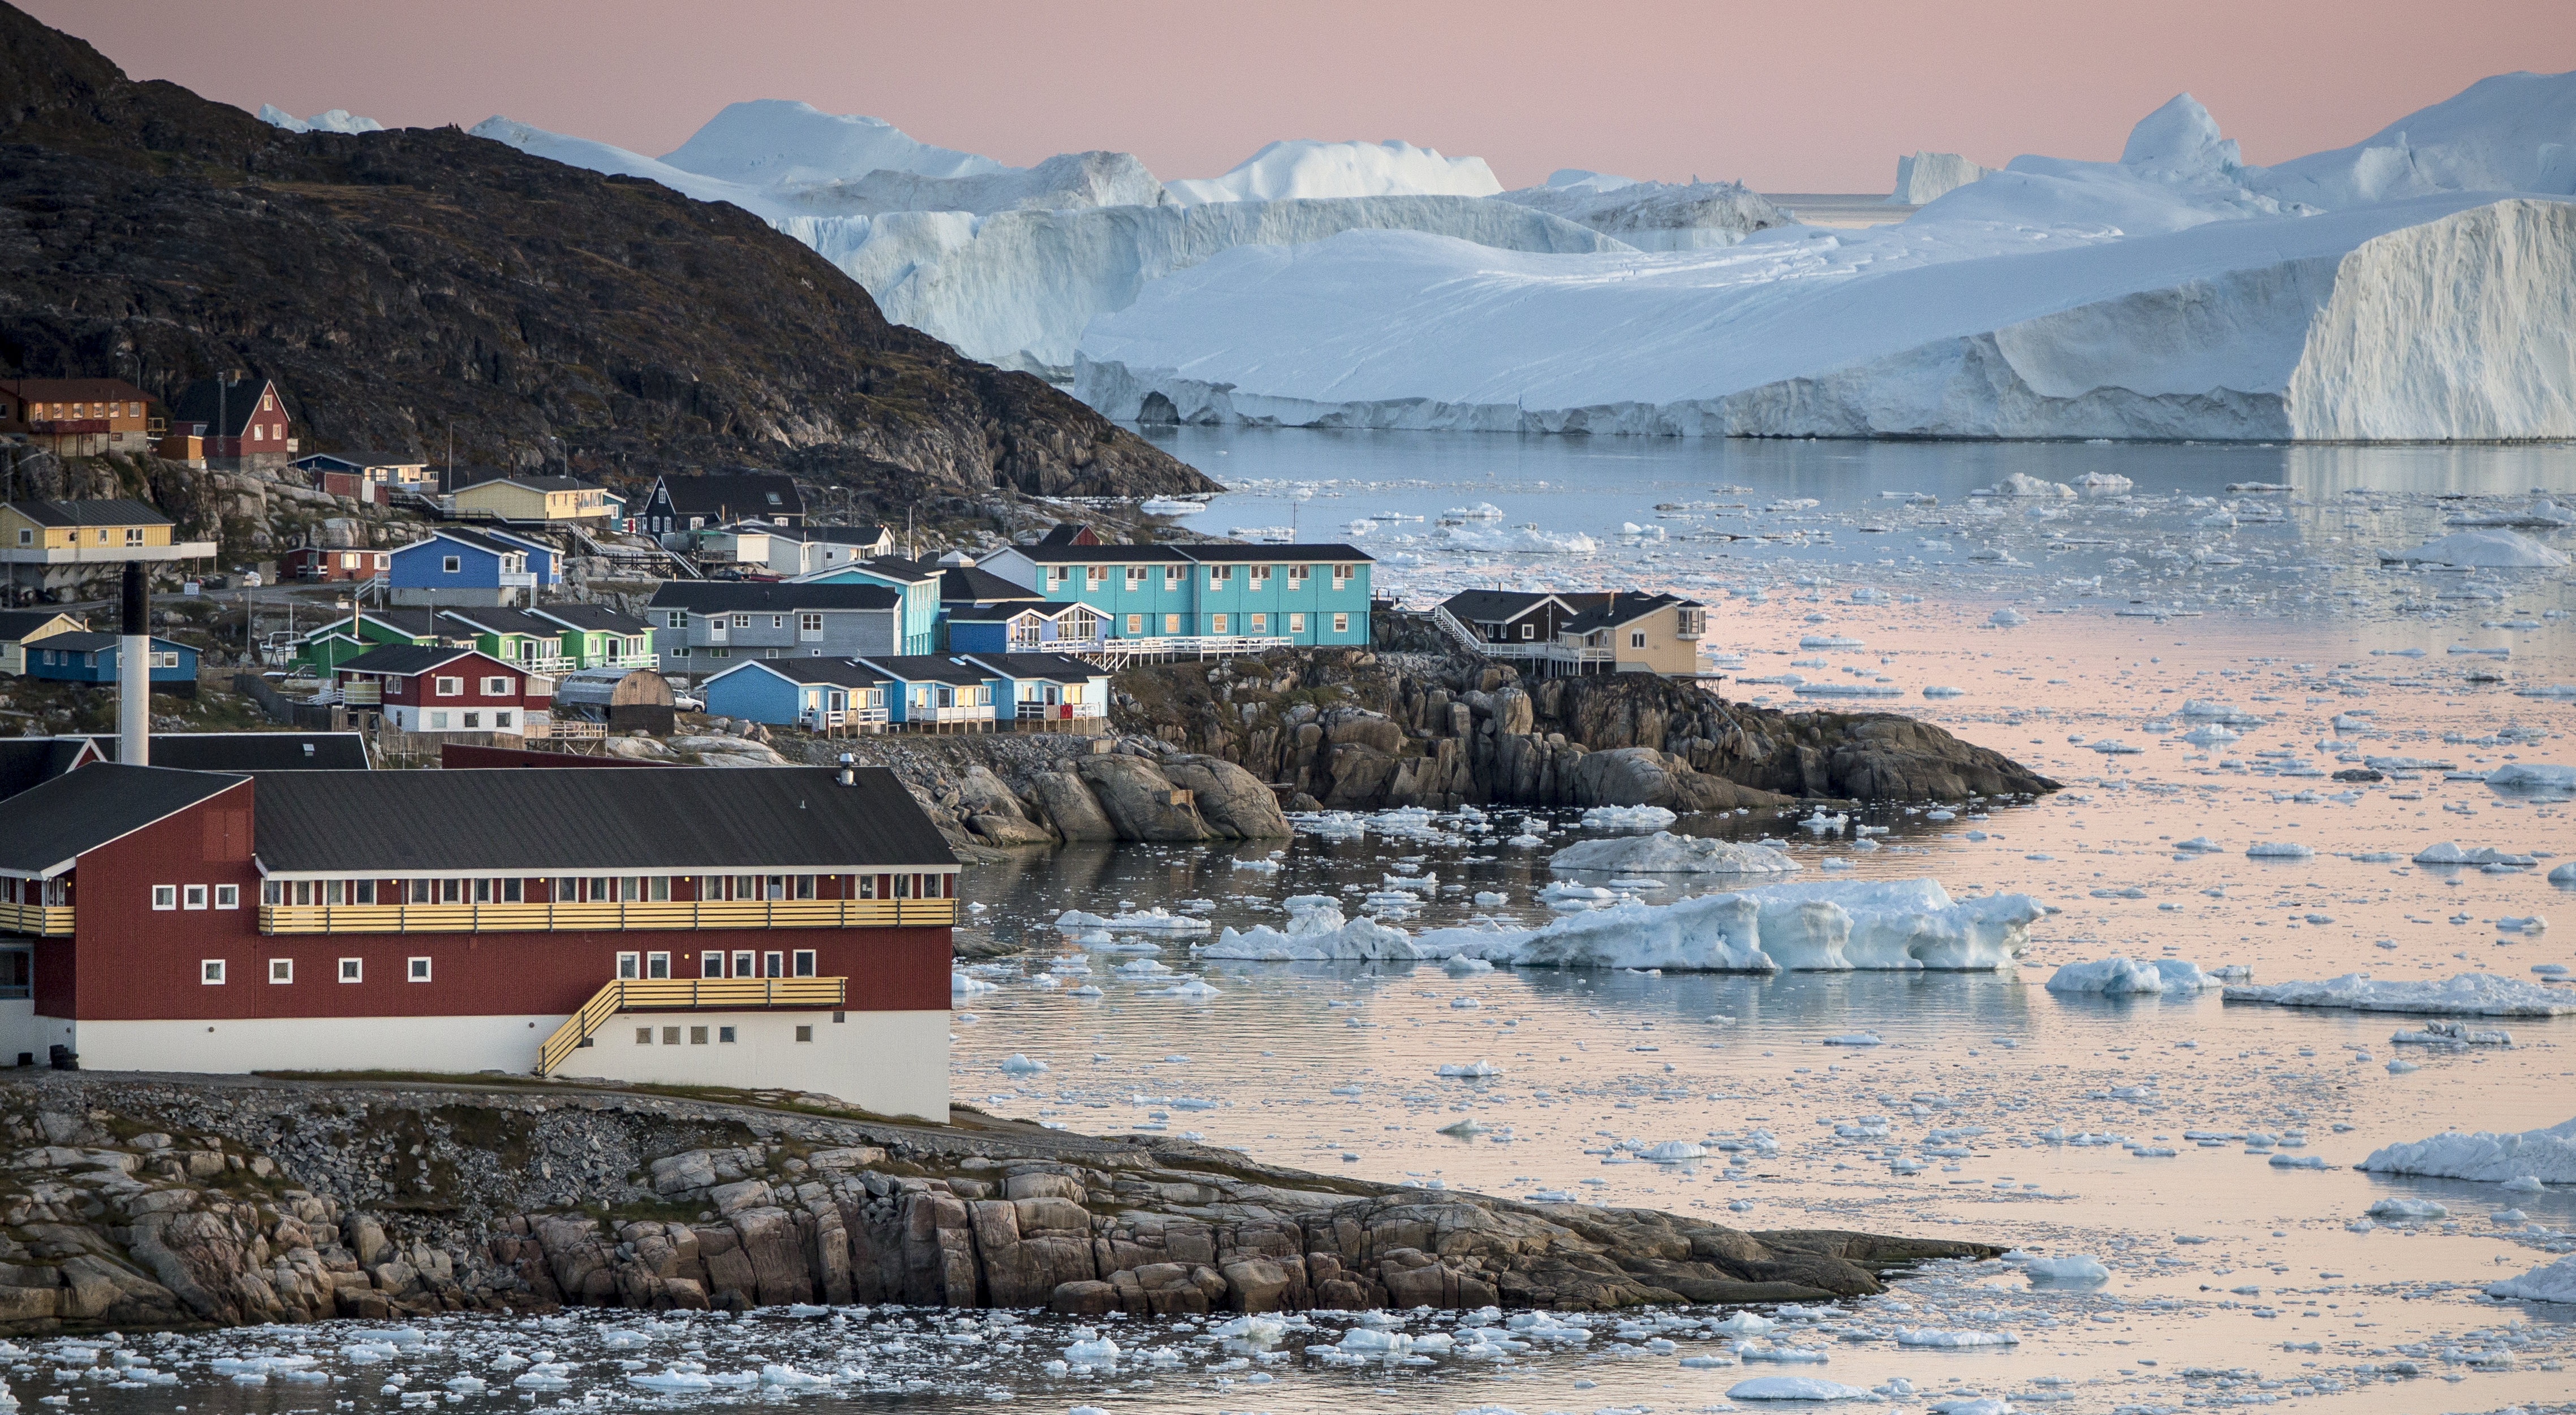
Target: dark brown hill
(397,284)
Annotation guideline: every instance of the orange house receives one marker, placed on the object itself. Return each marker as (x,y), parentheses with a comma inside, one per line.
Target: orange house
(79,417)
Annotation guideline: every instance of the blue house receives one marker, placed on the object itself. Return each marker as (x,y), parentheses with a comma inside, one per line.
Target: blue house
(1049,691)
(818,694)
(473,567)
(939,692)
(1022,626)
(917,581)
(91,658)
(1207,596)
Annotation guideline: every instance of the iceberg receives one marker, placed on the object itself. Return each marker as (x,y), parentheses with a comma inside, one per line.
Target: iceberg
(2555,1282)
(1664,853)
(332,120)
(2462,995)
(1305,169)
(2484,550)
(2118,976)
(1653,216)
(2534,776)
(1827,926)
(1794,1388)
(1930,176)
(2548,1155)
(1317,932)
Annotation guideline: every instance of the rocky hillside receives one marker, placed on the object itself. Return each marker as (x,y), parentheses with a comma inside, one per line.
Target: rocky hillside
(138,1202)
(401,284)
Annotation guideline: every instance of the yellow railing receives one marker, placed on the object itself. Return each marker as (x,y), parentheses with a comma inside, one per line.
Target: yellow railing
(53,920)
(676,994)
(570,918)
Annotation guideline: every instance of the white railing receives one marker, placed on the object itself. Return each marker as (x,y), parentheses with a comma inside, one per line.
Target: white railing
(555,664)
(1058,712)
(1447,623)
(836,719)
(630,660)
(1189,646)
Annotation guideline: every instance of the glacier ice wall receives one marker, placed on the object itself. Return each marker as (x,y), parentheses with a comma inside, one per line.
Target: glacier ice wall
(1929,176)
(1654,216)
(1305,169)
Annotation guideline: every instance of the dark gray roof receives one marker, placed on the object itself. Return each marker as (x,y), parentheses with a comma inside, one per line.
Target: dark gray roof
(250,751)
(49,825)
(1492,606)
(1064,533)
(967,584)
(1045,554)
(93,642)
(1063,668)
(674,819)
(480,540)
(895,567)
(835,535)
(927,668)
(769,597)
(1273,554)
(359,461)
(26,761)
(117,511)
(1010,609)
(403,660)
(1621,608)
(591,617)
(203,402)
(495,620)
(16,623)
(840,672)
(734,494)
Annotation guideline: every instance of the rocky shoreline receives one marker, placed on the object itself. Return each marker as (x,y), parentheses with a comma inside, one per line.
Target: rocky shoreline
(147,1201)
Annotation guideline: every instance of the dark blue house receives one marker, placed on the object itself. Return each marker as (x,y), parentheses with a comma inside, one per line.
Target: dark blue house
(91,658)
(473,567)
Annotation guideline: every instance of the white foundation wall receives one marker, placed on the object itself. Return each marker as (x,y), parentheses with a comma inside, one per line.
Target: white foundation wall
(21,1033)
(503,1043)
(889,1063)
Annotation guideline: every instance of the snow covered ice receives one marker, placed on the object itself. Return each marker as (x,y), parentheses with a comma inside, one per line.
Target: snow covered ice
(2116,977)
(2548,1155)
(2464,995)
(1666,853)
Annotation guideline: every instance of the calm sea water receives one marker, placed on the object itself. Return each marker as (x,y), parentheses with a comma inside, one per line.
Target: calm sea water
(2232,1280)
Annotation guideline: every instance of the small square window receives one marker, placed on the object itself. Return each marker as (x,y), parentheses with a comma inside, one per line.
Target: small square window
(805,1033)
(227,896)
(193,897)
(697,1036)
(628,965)
(670,1036)
(473,720)
(451,564)
(643,1036)
(353,970)
(165,896)
(281,970)
(211,971)
(1341,623)
(418,970)
(724,1035)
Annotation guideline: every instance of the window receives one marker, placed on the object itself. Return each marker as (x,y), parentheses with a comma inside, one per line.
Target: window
(281,970)
(1261,577)
(438,722)
(697,1036)
(1636,638)
(745,966)
(724,1036)
(134,535)
(165,896)
(1297,577)
(657,965)
(675,619)
(769,965)
(1174,576)
(1341,576)
(670,1036)
(627,963)
(1260,624)
(227,896)
(1341,623)
(1135,623)
(445,687)
(710,965)
(500,719)
(1135,575)
(1055,577)
(473,720)
(211,972)
(1220,576)
(193,897)
(1171,623)
(1694,622)
(451,564)
(499,687)
(353,970)
(778,621)
(1095,576)
(1296,623)
(1216,623)
(742,621)
(804,963)
(643,1036)
(804,1033)
(809,626)
(417,970)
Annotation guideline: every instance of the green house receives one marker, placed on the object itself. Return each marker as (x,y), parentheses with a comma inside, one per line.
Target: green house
(596,636)
(515,636)
(323,648)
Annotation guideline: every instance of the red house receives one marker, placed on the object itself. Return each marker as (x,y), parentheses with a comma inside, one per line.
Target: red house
(245,418)
(315,562)
(428,688)
(674,925)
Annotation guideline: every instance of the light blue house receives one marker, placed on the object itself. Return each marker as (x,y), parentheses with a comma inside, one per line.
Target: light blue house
(1274,594)
(91,658)
(476,567)
(817,694)
(940,692)
(1021,626)
(916,580)
(1050,691)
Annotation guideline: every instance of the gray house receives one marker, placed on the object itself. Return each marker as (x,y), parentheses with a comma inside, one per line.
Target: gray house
(707,627)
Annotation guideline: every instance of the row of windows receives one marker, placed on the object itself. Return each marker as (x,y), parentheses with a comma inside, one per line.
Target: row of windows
(36,411)
(496,686)
(133,535)
(437,720)
(282,970)
(715,963)
(66,657)
(195,896)
(572,889)
(698,1035)
(1174,576)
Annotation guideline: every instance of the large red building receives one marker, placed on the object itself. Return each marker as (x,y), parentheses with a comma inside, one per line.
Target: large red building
(774,928)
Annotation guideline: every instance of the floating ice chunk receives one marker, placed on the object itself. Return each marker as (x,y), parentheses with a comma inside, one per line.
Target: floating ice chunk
(960,985)
(2408,1209)
(2554,1283)
(1955,1340)
(1666,853)
(1855,1039)
(1674,1151)
(1196,988)
(1829,641)
(1090,1348)
(2279,850)
(2200,844)
(2539,1155)
(1629,817)
(2464,995)
(2118,976)
(1316,932)
(2449,853)
(2079,1267)
(2534,776)
(2494,549)
(1469,1070)
(2104,484)
(1828,926)
(2454,1034)
(2006,618)
(1488,899)
(2024,484)
(1937,690)
(1743,1324)
(1019,1064)
(2399,1066)
(1794,1388)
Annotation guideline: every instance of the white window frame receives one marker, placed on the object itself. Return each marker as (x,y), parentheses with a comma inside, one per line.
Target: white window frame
(1175,576)
(442,686)
(451,565)
(1220,576)
(1135,575)
(165,896)
(630,966)
(438,721)
(1296,623)
(1341,576)
(1217,623)
(1297,576)
(1636,638)
(1171,624)
(210,971)
(192,896)
(416,970)
(500,719)
(1341,623)
(227,896)
(498,686)
(353,970)
(281,970)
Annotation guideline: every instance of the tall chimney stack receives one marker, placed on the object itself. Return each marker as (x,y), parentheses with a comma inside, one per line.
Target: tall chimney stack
(134,671)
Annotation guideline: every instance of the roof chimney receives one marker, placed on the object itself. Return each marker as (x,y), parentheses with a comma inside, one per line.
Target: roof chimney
(134,670)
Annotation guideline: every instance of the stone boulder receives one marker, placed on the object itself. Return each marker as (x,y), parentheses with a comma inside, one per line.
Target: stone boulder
(1642,776)
(989,809)
(1141,801)
(1070,806)
(1233,802)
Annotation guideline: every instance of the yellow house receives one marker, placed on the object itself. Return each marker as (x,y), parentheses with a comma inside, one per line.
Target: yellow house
(21,627)
(1633,633)
(539,499)
(56,543)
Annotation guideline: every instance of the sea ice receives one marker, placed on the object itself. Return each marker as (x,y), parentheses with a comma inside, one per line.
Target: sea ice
(2534,776)
(2547,1155)
(2120,976)
(2080,1267)
(1794,1388)
(1628,817)
(2496,549)
(2553,1283)
(1666,853)
(2463,995)
(1316,932)
(1305,169)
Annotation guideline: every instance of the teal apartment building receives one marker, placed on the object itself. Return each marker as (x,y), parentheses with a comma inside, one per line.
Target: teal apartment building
(1300,594)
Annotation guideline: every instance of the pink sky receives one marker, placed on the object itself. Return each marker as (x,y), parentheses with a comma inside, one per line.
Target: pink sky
(1788,97)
